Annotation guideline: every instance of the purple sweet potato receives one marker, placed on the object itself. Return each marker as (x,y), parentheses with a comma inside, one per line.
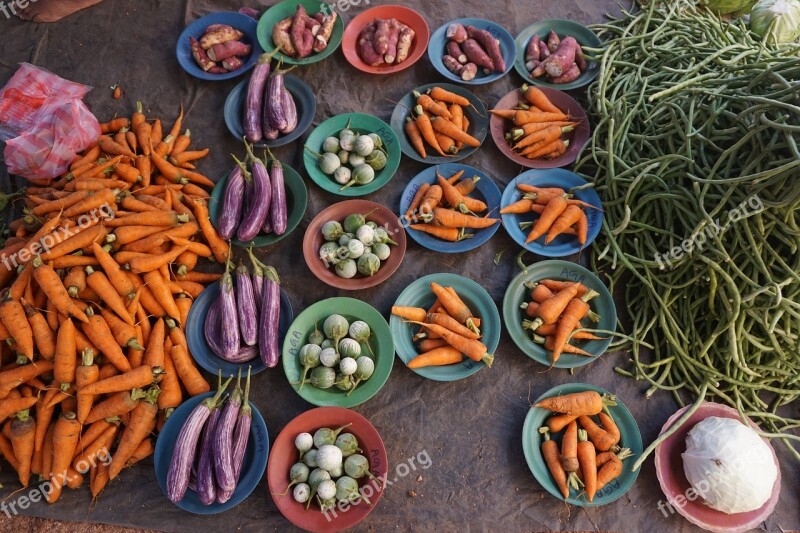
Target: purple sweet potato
(218,52)
(562,59)
(217,70)
(302,39)
(532,50)
(324,36)
(454,50)
(476,54)
(532,64)
(571,74)
(492,46)
(200,55)
(232,63)
(544,52)
(217,27)
(366,49)
(469,71)
(404,42)
(457,33)
(394,39)
(552,41)
(222,35)
(313,25)
(381,41)
(452,64)
(281,37)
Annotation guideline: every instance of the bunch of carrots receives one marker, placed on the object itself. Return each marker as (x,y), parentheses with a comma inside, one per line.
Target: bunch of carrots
(448,330)
(556,211)
(438,122)
(445,210)
(589,455)
(555,311)
(540,128)
(95,356)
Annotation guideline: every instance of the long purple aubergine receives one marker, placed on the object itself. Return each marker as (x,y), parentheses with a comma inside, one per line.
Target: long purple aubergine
(257,278)
(269,321)
(274,110)
(211,330)
(204,484)
(223,443)
(246,306)
(241,432)
(231,210)
(290,108)
(258,209)
(278,213)
(228,320)
(253,129)
(185,447)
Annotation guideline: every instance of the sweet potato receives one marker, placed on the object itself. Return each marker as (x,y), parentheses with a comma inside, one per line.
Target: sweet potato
(218,52)
(404,43)
(217,27)
(476,54)
(324,36)
(469,72)
(301,36)
(457,33)
(281,37)
(552,41)
(452,64)
(571,74)
(532,64)
(203,61)
(562,59)
(544,52)
(313,25)
(490,44)
(454,50)
(232,63)
(381,41)
(366,50)
(394,38)
(217,70)
(532,50)
(220,36)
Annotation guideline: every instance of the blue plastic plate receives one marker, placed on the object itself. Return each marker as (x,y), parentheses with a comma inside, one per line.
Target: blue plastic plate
(485,190)
(196,338)
(419,294)
(303,98)
(438,42)
(241,22)
(255,457)
(563,245)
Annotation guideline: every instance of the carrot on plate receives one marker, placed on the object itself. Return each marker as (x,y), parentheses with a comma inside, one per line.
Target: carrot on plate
(438,93)
(415,137)
(426,130)
(410,313)
(446,321)
(445,127)
(555,206)
(577,403)
(440,356)
(455,219)
(569,448)
(588,464)
(552,459)
(474,349)
(446,234)
(536,97)
(432,198)
(431,106)
(558,422)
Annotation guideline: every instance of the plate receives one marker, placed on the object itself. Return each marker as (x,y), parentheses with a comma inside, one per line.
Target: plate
(563,245)
(381,342)
(577,138)
(581,33)
(439,41)
(303,98)
(312,241)
(516,293)
(486,191)
(296,203)
(419,294)
(404,14)
(284,454)
(669,470)
(255,457)
(360,123)
(532,440)
(199,348)
(288,8)
(476,114)
(243,23)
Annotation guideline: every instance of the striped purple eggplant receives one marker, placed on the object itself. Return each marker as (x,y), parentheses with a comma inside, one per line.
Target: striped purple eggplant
(290,108)
(278,214)
(185,447)
(231,210)
(274,103)
(257,278)
(241,432)
(246,306)
(251,122)
(204,483)
(259,205)
(228,320)
(223,443)
(268,322)
(211,330)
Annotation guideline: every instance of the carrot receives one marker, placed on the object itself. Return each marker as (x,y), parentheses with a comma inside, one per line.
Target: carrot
(454,219)
(7,451)
(65,362)
(171,396)
(143,132)
(611,469)
(600,438)
(437,93)
(568,217)
(569,448)
(110,146)
(154,353)
(150,263)
(188,155)
(99,333)
(444,355)
(15,376)
(454,306)
(160,218)
(522,116)
(446,234)
(196,247)
(147,300)
(200,277)
(115,124)
(447,144)
(453,180)
(90,156)
(570,319)
(556,423)
(115,405)
(77,240)
(445,127)
(149,242)
(175,131)
(543,136)
(90,202)
(66,433)
(131,203)
(410,313)
(555,206)
(473,349)
(457,119)
(519,207)
(550,329)
(430,344)
(451,195)
(425,127)
(549,344)
(577,403)
(432,198)
(23,430)
(142,422)
(87,454)
(9,406)
(86,374)
(452,324)
(217,244)
(129,234)
(191,378)
(537,98)
(583,227)
(587,461)
(143,451)
(558,285)
(100,283)
(431,106)
(551,149)
(120,282)
(136,378)
(160,290)
(609,424)
(64,202)
(12,314)
(550,454)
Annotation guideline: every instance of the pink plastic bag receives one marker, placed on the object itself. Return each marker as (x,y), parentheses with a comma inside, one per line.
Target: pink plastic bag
(45,121)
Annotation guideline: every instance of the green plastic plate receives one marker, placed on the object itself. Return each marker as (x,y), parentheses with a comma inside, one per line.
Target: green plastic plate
(516,293)
(532,441)
(359,123)
(288,8)
(419,294)
(380,341)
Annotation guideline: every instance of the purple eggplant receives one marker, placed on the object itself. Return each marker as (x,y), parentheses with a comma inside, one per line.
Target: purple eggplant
(204,482)
(274,103)
(241,432)
(278,213)
(257,279)
(228,320)
(246,306)
(253,129)
(211,331)
(231,210)
(290,108)
(269,320)
(223,444)
(185,447)
(253,218)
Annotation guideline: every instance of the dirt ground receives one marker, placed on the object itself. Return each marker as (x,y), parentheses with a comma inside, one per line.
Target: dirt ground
(24,524)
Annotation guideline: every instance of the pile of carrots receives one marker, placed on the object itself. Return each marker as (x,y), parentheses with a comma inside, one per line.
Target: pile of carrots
(556,310)
(448,331)
(445,210)
(95,357)
(539,127)
(438,122)
(589,455)
(556,211)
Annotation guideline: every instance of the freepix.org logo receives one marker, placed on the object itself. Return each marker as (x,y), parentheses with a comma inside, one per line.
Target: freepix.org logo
(9,7)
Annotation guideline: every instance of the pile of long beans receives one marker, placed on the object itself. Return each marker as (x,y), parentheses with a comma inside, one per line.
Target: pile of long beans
(698,126)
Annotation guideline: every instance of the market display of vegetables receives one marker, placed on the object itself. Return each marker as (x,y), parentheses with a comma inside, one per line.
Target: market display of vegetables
(269,110)
(220,49)
(438,122)
(302,35)
(385,42)
(469,49)
(355,246)
(335,356)
(351,158)
(557,59)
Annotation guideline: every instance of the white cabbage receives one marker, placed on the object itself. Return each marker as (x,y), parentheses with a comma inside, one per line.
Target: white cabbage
(776,21)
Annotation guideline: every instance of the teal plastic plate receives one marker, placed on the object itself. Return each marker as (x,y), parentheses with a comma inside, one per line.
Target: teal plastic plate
(516,293)
(419,294)
(532,441)
(288,8)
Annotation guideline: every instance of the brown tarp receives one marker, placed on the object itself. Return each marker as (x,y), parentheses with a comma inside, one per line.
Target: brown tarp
(471,429)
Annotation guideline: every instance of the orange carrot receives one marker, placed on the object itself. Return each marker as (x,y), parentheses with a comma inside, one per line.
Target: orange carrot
(583,227)
(600,438)
(89,451)
(550,454)
(191,378)
(90,156)
(609,424)
(428,104)
(110,146)
(154,353)
(446,234)
(171,395)
(445,127)
(556,423)
(519,207)
(438,93)
(86,374)
(576,309)
(23,430)
(537,98)
(12,314)
(136,378)
(444,355)
(431,199)
(454,306)
(541,137)
(425,127)
(410,313)
(429,344)
(457,119)
(150,263)
(577,403)
(587,460)
(451,195)
(522,116)
(160,218)
(473,349)
(143,451)
(611,466)
(160,290)
(452,324)
(570,216)
(100,335)
(556,206)
(569,448)
(142,422)
(77,240)
(9,406)
(217,244)
(66,433)
(200,277)
(100,283)
(114,405)
(551,149)
(455,219)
